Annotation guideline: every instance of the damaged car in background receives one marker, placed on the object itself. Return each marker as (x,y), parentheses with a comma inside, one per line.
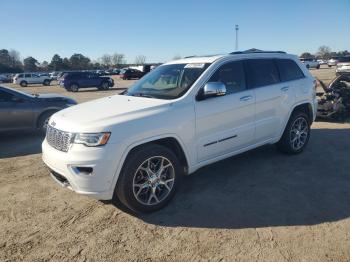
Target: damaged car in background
(334,102)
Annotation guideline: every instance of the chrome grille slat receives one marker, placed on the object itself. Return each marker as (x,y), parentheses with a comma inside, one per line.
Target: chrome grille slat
(58,139)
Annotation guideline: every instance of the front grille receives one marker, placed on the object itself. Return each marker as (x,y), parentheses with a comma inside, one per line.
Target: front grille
(58,139)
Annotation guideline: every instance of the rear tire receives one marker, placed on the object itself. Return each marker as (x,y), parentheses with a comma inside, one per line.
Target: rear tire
(149,178)
(46,82)
(23,83)
(74,88)
(296,134)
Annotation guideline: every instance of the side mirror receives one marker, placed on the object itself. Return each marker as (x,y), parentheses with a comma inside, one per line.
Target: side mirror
(212,89)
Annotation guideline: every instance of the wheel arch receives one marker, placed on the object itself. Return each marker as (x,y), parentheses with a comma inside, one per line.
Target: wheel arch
(171,141)
(44,112)
(304,106)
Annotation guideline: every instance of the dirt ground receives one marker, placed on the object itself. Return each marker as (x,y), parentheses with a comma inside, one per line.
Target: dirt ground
(258,206)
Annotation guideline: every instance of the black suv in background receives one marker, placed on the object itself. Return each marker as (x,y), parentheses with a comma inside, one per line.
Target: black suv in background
(73,81)
(127,74)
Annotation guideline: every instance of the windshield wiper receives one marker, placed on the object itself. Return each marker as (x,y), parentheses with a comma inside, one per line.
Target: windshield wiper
(143,95)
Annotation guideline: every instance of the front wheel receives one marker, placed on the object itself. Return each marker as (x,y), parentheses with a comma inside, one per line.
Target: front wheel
(46,82)
(148,179)
(105,86)
(296,134)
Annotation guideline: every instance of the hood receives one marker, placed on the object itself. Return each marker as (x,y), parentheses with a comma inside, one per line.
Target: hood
(105,112)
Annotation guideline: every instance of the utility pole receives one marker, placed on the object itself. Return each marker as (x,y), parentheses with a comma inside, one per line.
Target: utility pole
(237,28)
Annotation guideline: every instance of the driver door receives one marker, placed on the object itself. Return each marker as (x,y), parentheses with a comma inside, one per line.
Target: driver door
(225,124)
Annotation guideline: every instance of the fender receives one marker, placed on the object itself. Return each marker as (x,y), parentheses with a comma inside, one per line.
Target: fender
(127,150)
(290,113)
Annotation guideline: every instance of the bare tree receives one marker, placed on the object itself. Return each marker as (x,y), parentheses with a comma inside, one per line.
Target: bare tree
(118,59)
(106,60)
(140,60)
(324,52)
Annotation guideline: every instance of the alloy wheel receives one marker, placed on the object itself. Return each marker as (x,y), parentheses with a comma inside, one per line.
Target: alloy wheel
(299,133)
(153,180)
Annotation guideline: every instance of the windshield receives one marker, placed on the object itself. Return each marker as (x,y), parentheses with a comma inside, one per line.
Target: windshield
(167,81)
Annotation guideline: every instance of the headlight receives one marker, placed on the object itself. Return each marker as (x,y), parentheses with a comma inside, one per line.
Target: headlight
(68,104)
(92,139)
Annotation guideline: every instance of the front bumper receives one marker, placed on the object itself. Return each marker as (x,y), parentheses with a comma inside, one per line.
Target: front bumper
(64,169)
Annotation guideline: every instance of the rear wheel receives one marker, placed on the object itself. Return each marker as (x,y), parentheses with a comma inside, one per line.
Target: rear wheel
(296,134)
(74,88)
(23,83)
(149,178)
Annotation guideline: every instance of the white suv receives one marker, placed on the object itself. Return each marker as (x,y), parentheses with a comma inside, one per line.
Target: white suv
(310,63)
(29,78)
(181,116)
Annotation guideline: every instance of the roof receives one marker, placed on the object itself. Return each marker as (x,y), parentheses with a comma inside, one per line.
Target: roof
(212,58)
(196,59)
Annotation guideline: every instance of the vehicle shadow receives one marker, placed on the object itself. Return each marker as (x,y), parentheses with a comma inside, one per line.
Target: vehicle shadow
(264,188)
(20,144)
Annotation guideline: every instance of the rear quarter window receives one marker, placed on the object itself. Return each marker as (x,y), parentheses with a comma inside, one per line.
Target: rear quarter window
(289,70)
(261,72)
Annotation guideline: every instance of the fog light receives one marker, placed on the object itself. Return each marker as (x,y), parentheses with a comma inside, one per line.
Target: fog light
(84,170)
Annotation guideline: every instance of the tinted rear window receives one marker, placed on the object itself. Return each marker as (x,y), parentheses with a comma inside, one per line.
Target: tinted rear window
(261,72)
(289,70)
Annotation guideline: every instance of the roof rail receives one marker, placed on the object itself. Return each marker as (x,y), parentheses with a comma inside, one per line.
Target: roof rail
(255,51)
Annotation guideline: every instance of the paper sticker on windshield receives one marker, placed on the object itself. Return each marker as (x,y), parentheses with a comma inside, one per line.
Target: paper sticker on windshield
(194,65)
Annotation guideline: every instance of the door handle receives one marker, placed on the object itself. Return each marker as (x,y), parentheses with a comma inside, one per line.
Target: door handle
(284,89)
(245,98)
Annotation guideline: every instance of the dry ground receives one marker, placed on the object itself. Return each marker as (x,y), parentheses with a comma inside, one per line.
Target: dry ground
(259,206)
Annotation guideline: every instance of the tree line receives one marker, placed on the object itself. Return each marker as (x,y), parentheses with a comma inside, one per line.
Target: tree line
(10,62)
(325,52)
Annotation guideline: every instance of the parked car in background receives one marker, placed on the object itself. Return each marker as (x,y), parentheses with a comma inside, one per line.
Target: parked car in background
(130,73)
(5,78)
(310,63)
(29,78)
(19,110)
(100,72)
(322,62)
(75,80)
(332,62)
(181,116)
(343,66)
(54,75)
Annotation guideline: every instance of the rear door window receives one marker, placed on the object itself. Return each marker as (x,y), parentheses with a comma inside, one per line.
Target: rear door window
(261,72)
(289,70)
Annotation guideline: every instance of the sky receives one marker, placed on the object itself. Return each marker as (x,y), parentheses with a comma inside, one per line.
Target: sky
(161,29)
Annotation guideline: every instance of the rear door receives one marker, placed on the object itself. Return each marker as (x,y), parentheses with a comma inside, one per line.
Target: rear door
(16,111)
(273,97)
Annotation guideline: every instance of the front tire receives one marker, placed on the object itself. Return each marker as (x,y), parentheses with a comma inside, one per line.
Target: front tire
(44,121)
(46,82)
(296,134)
(149,178)
(105,85)
(23,84)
